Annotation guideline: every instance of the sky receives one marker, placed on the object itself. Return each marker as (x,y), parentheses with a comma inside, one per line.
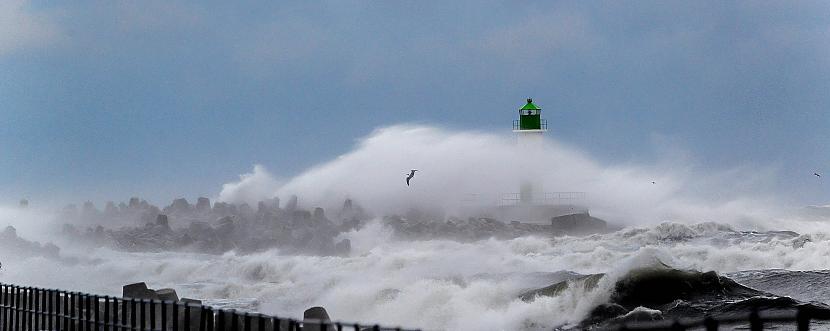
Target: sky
(104,100)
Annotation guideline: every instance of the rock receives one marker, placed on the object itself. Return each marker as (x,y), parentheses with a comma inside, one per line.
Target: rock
(179,206)
(606,311)
(292,203)
(262,208)
(343,247)
(268,205)
(301,215)
(588,282)
(167,294)
(9,233)
(246,210)
(134,203)
(162,221)
(640,314)
(203,205)
(224,209)
(138,291)
(319,214)
(314,318)
(190,301)
(110,210)
(273,202)
(577,224)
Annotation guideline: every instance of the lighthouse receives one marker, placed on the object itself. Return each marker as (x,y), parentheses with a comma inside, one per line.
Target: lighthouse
(530,129)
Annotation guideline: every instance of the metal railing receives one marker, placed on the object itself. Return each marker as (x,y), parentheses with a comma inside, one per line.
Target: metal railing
(548,198)
(543,124)
(31,308)
(801,318)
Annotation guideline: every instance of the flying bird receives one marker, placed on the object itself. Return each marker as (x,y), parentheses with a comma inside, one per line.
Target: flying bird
(653,182)
(410,175)
(817,174)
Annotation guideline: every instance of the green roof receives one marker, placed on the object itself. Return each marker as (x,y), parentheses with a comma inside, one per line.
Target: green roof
(530,106)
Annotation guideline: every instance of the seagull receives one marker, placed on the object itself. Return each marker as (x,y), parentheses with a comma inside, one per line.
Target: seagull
(410,175)
(817,174)
(653,182)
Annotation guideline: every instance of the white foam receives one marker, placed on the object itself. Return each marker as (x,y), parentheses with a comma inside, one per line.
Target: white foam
(437,284)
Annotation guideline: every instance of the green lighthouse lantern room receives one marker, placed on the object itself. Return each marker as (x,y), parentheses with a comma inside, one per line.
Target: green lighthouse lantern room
(530,118)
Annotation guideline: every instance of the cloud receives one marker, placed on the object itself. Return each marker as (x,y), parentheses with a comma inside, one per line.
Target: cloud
(539,34)
(23,28)
(158,16)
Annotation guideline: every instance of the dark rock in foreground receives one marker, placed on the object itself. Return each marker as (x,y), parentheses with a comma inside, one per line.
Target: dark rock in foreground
(314,317)
(138,291)
(655,293)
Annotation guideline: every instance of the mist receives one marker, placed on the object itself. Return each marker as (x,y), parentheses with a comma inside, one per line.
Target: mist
(454,165)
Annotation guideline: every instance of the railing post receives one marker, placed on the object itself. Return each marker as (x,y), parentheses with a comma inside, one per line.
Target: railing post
(64,308)
(203,318)
(116,319)
(142,313)
(164,316)
(50,308)
(106,312)
(88,305)
(153,315)
(802,319)
(3,303)
(73,308)
(186,317)
(210,321)
(220,319)
(247,322)
(29,309)
(234,321)
(35,308)
(96,317)
(133,321)
(15,302)
(275,323)
(44,308)
(14,308)
(710,323)
(755,322)
(37,315)
(175,315)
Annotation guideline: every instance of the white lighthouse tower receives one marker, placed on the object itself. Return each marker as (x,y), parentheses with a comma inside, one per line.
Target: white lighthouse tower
(530,129)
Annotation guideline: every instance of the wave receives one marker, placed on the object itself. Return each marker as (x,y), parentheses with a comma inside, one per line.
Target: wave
(661,292)
(440,284)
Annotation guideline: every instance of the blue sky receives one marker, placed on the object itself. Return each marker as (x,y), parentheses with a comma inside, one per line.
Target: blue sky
(106,100)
